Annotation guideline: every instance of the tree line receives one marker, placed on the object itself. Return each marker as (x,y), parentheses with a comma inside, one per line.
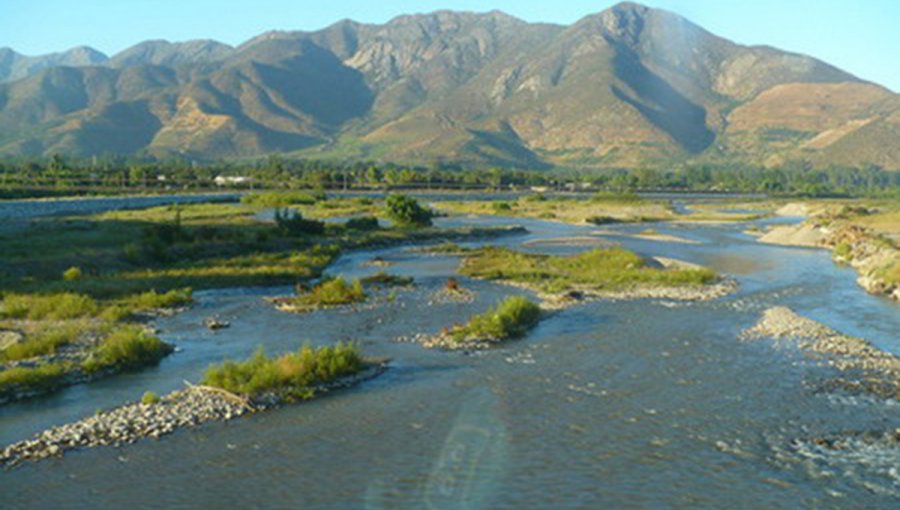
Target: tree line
(58,175)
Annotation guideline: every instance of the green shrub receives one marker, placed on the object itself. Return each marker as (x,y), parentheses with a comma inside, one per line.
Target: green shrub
(292,374)
(47,306)
(362,223)
(153,300)
(291,223)
(128,346)
(511,318)
(149,398)
(71,274)
(501,206)
(42,377)
(331,292)
(45,342)
(406,212)
(842,251)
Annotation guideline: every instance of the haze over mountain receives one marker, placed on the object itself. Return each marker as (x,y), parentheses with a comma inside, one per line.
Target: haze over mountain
(630,86)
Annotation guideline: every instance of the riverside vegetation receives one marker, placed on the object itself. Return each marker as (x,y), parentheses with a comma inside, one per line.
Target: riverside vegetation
(603,272)
(76,289)
(227,391)
(509,319)
(864,234)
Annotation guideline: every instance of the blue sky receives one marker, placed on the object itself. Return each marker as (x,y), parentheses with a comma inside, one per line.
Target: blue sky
(860,36)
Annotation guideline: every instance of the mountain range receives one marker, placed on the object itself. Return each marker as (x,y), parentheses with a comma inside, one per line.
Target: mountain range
(630,86)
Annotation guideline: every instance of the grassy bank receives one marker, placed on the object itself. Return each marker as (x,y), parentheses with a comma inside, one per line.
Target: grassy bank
(600,209)
(71,283)
(292,375)
(606,269)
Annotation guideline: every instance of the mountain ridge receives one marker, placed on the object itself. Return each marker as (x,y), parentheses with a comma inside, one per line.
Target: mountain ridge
(629,86)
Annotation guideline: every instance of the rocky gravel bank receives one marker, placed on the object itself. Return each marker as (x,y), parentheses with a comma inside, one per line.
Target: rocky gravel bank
(879,370)
(190,407)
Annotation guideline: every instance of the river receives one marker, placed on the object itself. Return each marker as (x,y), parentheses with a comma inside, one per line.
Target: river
(631,404)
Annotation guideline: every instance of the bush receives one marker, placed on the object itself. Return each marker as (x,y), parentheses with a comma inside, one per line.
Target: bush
(501,206)
(42,377)
(153,300)
(362,223)
(149,397)
(291,223)
(46,342)
(406,211)
(71,274)
(843,251)
(510,319)
(47,306)
(128,346)
(331,292)
(293,374)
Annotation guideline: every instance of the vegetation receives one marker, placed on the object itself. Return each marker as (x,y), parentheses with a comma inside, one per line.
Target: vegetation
(54,176)
(292,223)
(598,269)
(282,198)
(386,280)
(509,319)
(149,398)
(293,375)
(362,223)
(60,306)
(73,273)
(330,292)
(406,211)
(47,341)
(40,378)
(129,346)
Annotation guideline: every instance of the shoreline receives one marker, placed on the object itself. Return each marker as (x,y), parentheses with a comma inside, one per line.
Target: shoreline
(180,409)
(879,369)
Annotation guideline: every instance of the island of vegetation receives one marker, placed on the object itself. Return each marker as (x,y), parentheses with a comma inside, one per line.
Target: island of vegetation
(78,291)
(509,319)
(227,391)
(337,291)
(608,273)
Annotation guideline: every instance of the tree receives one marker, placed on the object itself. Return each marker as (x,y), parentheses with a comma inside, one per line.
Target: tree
(406,211)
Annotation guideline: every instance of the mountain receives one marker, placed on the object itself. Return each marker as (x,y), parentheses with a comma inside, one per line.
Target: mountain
(629,86)
(14,66)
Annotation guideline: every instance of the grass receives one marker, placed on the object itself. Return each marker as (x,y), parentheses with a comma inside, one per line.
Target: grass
(294,374)
(127,347)
(331,292)
(58,306)
(43,377)
(598,269)
(509,319)
(47,341)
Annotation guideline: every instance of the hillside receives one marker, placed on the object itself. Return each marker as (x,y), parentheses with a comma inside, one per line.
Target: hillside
(630,86)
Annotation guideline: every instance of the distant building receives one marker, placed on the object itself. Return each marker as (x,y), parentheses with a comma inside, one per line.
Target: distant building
(232,180)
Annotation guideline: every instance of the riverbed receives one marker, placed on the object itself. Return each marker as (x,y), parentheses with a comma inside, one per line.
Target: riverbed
(607,404)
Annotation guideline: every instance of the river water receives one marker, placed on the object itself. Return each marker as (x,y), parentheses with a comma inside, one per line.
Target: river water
(640,404)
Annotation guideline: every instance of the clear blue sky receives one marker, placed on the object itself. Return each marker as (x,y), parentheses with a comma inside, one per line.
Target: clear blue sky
(860,36)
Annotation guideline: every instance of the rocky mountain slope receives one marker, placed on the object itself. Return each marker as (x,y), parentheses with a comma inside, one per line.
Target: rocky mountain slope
(630,86)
